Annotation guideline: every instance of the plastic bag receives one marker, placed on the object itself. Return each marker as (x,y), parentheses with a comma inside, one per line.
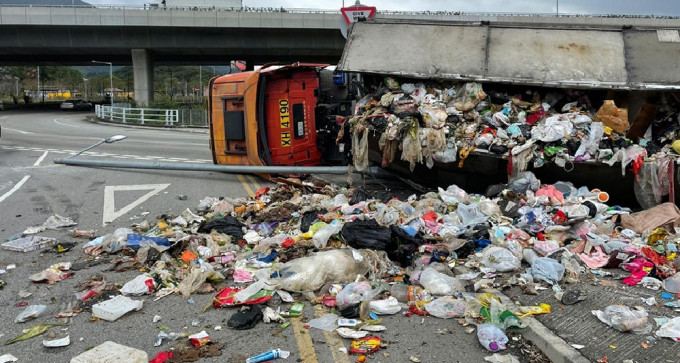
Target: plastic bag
(547,247)
(140,285)
(590,145)
(671,329)
(546,269)
(555,128)
(335,266)
(623,318)
(448,155)
(446,307)
(453,195)
(31,312)
(115,242)
(360,148)
(468,96)
(524,181)
(327,322)
(440,284)
(367,234)
(354,293)
(491,337)
(227,225)
(500,259)
(387,306)
(470,215)
(57,221)
(324,233)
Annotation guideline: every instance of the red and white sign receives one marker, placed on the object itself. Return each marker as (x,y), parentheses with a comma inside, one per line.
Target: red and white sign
(353,14)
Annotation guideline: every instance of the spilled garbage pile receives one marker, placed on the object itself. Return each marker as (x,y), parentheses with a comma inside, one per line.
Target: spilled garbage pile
(440,254)
(428,122)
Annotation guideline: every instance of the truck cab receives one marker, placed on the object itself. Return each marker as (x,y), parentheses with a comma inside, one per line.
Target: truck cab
(271,116)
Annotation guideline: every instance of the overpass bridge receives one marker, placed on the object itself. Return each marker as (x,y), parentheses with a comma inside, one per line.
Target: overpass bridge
(144,37)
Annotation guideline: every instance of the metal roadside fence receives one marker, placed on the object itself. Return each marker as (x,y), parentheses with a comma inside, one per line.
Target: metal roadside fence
(152,116)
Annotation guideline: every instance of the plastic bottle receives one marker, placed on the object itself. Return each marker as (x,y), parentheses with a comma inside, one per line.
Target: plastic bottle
(491,337)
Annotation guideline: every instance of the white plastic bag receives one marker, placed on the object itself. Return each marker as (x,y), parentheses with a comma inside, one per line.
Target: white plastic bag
(500,259)
(623,318)
(546,269)
(440,284)
(491,337)
(470,215)
(354,293)
(671,329)
(140,285)
(31,312)
(453,195)
(387,306)
(446,307)
(324,233)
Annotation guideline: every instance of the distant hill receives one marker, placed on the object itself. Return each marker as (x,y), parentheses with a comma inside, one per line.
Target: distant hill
(44,3)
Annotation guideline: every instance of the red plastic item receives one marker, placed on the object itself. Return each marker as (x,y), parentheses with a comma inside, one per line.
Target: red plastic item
(225,298)
(288,243)
(162,357)
(261,191)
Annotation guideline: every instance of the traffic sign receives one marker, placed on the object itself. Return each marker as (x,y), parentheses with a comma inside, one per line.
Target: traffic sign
(354,13)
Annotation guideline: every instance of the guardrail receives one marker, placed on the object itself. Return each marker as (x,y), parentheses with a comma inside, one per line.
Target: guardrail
(138,116)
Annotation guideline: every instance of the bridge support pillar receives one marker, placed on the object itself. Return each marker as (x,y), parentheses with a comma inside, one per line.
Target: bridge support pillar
(142,66)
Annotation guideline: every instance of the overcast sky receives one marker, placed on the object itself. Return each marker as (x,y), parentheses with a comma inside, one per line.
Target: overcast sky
(628,7)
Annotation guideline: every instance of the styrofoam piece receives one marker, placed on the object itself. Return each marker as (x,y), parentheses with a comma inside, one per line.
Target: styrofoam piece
(27,244)
(110,352)
(116,307)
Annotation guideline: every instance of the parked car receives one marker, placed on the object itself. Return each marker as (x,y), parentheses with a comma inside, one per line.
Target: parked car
(75,105)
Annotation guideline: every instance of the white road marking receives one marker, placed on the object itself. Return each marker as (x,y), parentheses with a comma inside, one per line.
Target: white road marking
(110,213)
(41,158)
(19,131)
(98,154)
(16,187)
(63,124)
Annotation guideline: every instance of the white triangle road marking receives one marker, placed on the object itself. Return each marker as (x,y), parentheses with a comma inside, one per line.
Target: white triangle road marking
(110,214)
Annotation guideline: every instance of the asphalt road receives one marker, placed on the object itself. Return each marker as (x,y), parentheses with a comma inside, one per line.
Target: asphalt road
(32,188)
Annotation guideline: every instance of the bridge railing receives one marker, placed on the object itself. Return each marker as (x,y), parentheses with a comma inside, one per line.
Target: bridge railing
(138,116)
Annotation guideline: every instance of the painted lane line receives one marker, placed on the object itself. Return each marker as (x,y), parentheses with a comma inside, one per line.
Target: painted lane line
(16,187)
(253,182)
(19,131)
(63,124)
(41,158)
(110,213)
(245,185)
(304,341)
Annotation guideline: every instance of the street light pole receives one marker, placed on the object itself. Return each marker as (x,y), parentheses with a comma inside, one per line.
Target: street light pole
(85,88)
(557,7)
(16,81)
(111,86)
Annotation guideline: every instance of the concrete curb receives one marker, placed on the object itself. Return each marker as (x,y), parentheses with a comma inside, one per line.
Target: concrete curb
(554,347)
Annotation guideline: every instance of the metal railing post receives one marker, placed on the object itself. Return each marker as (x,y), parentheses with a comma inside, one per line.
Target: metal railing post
(141,117)
(124,121)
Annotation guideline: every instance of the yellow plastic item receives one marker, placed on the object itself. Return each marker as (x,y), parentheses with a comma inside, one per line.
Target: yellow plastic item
(676,146)
(485,299)
(162,225)
(533,310)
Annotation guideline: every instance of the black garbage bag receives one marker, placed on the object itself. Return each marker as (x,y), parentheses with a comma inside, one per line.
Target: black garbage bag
(351,311)
(467,249)
(227,225)
(368,234)
(357,195)
(245,319)
(406,245)
(309,218)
